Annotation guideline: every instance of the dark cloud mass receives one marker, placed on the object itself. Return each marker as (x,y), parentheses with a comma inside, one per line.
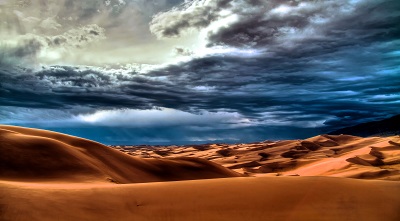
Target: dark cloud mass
(285,26)
(288,69)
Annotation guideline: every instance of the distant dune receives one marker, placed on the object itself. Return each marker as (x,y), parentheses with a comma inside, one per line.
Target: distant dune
(323,155)
(51,176)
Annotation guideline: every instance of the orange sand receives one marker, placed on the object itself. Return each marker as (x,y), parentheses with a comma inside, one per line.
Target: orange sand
(50,176)
(323,155)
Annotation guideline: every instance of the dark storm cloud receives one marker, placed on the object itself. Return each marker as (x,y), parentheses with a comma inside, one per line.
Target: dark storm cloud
(327,22)
(61,87)
(339,88)
(355,69)
(323,64)
(288,28)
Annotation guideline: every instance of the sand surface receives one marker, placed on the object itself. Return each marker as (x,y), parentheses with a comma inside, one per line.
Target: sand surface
(267,198)
(50,176)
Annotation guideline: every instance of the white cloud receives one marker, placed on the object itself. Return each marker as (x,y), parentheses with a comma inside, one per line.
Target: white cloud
(125,22)
(162,117)
(282,9)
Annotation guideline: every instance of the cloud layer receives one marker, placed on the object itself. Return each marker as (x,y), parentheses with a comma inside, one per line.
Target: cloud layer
(124,22)
(255,69)
(286,28)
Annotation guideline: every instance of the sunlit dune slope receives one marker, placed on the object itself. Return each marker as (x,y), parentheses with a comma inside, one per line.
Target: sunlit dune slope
(233,199)
(39,155)
(323,155)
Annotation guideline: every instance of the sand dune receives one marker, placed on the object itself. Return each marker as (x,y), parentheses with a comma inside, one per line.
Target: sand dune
(323,155)
(51,176)
(267,198)
(38,155)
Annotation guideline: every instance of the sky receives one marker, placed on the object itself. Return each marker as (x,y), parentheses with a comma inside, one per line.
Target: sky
(198,71)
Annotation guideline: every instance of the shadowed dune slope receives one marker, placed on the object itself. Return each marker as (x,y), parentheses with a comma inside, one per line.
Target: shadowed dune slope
(233,199)
(39,155)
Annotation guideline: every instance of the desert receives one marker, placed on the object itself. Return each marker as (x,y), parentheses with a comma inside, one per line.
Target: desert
(46,175)
(199,110)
